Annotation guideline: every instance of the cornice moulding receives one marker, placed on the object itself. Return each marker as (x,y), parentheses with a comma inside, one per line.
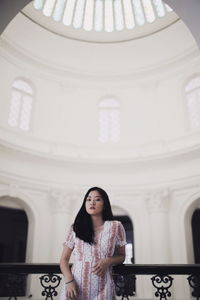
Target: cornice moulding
(184,186)
(126,154)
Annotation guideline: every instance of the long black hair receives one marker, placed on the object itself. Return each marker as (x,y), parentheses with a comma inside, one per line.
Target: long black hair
(83,226)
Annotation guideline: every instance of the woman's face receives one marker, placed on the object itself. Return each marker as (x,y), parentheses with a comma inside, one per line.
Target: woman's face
(94,203)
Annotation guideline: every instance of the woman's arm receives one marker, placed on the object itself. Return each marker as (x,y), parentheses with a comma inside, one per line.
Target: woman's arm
(118,257)
(64,263)
(103,264)
(71,290)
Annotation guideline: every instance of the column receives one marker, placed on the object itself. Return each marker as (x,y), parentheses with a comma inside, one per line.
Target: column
(157,204)
(61,210)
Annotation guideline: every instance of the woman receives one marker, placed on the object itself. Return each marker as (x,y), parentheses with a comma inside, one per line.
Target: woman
(98,243)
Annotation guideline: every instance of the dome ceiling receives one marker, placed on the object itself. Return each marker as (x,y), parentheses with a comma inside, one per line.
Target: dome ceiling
(138,91)
(101,20)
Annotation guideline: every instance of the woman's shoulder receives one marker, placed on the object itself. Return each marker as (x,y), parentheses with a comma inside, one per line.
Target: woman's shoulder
(71,229)
(115,227)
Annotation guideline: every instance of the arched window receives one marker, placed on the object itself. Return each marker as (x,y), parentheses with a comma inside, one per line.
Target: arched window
(192,93)
(109,120)
(21,105)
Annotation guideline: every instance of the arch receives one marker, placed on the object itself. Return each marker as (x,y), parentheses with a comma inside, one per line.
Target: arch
(24,85)
(193,203)
(109,101)
(121,215)
(196,234)
(189,80)
(13,242)
(20,199)
(141,229)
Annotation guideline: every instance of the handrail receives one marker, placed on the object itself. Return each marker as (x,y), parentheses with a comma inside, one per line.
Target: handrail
(124,277)
(137,269)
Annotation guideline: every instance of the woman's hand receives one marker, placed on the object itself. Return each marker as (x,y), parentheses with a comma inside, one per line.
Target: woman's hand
(101,266)
(71,291)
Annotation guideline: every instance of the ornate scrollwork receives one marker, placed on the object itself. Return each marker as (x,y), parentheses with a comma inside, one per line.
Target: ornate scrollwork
(194,282)
(50,282)
(124,285)
(162,283)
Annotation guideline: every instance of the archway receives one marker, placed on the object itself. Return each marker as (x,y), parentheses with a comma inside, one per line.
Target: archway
(13,242)
(189,222)
(195,223)
(122,216)
(128,226)
(15,200)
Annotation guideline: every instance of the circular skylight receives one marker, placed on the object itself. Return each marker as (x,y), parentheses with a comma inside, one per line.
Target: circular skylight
(103,15)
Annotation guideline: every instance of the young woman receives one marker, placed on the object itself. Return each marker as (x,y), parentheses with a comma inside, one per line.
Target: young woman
(98,243)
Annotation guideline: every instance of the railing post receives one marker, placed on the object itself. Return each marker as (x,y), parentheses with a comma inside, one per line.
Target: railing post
(125,285)
(162,283)
(194,282)
(50,282)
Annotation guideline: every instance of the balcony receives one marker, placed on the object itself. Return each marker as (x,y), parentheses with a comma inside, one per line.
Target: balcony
(125,276)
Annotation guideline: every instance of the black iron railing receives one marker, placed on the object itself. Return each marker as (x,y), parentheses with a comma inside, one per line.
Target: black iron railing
(124,277)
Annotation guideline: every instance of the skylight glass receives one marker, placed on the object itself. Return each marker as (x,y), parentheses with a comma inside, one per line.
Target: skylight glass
(103,15)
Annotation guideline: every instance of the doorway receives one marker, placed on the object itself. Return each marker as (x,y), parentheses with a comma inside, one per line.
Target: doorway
(196,235)
(13,241)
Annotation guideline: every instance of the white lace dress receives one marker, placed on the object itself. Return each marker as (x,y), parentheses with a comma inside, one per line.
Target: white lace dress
(91,286)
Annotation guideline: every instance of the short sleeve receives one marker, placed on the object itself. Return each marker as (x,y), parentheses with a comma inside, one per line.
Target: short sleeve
(70,239)
(121,235)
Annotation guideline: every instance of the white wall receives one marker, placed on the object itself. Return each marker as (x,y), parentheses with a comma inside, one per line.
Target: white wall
(154,171)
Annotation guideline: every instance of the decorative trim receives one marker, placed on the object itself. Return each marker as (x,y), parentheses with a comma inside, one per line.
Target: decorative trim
(61,200)
(158,201)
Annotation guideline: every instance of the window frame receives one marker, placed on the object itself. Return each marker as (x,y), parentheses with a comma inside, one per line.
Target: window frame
(188,124)
(22,94)
(110,126)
